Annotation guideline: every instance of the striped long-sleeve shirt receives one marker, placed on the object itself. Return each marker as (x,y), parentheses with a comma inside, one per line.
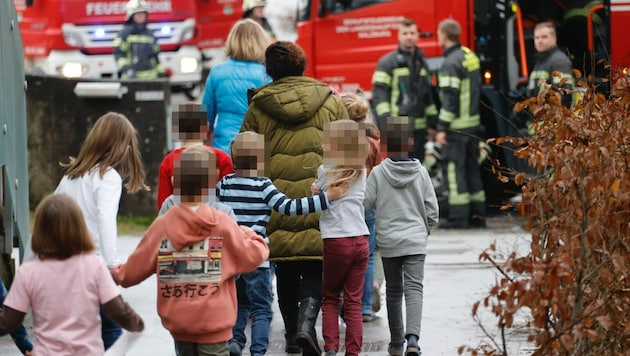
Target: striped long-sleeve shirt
(253,198)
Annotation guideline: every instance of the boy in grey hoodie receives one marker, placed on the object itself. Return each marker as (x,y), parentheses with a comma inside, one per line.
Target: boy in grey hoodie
(407,212)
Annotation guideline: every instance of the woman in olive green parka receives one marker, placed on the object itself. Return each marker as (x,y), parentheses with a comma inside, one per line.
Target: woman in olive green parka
(291,112)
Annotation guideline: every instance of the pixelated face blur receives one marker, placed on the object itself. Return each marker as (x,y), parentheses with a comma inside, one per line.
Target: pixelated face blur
(344,144)
(397,137)
(248,154)
(407,37)
(195,176)
(190,122)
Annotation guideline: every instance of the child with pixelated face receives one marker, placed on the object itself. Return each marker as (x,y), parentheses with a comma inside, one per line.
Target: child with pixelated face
(407,212)
(190,125)
(194,179)
(253,196)
(197,250)
(344,233)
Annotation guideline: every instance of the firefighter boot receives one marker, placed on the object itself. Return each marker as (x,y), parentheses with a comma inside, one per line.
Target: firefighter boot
(306,335)
(290,317)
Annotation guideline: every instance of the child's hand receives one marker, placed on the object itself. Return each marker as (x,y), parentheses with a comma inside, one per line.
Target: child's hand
(315,189)
(337,191)
(28,353)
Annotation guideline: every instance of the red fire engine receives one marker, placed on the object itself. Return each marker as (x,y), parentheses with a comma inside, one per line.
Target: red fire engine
(74,38)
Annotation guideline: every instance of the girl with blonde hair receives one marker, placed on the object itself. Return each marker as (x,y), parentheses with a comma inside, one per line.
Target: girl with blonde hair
(109,158)
(65,285)
(345,233)
(359,110)
(225,93)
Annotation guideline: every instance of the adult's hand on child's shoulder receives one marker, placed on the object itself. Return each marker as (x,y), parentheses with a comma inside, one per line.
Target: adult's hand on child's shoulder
(337,191)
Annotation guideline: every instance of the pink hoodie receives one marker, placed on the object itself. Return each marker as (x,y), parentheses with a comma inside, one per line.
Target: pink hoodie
(196,256)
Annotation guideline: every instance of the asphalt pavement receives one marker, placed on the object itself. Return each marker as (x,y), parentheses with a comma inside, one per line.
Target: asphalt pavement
(454,280)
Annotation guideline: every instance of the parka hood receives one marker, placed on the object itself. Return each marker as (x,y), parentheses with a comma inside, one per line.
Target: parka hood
(185,226)
(401,173)
(291,99)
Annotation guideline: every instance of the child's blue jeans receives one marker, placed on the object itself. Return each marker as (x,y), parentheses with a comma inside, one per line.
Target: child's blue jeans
(368,280)
(19,336)
(254,298)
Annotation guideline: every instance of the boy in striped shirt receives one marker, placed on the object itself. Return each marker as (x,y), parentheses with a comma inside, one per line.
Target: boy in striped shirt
(252,198)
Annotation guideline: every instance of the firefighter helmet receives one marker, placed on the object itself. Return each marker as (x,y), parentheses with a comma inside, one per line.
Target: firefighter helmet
(250,4)
(135,6)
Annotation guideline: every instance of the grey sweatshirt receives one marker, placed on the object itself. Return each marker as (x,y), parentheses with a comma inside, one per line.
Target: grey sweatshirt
(407,207)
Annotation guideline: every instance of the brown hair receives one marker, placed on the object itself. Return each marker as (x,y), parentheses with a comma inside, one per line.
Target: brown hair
(451,29)
(193,173)
(284,59)
(357,107)
(190,122)
(59,229)
(546,24)
(407,22)
(111,142)
(371,130)
(247,41)
(397,135)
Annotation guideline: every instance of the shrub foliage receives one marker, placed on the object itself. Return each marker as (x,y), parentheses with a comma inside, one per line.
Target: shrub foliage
(573,284)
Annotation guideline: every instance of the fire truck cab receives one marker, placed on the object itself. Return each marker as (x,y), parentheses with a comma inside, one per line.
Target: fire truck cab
(74,38)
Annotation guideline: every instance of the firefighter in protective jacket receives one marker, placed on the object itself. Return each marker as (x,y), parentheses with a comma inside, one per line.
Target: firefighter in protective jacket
(401,86)
(459,128)
(136,49)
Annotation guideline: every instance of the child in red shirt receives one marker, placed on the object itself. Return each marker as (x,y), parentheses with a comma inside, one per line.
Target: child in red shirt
(190,124)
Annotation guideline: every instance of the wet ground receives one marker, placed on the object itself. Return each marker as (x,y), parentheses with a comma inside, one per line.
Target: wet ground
(454,280)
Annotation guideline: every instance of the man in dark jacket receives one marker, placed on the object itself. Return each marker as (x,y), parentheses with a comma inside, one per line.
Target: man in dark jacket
(458,129)
(549,59)
(135,49)
(401,86)
(291,112)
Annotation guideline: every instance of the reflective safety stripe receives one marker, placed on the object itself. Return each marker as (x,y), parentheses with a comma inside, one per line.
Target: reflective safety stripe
(148,74)
(401,72)
(455,198)
(478,197)
(140,39)
(469,122)
(381,77)
(446,115)
(471,61)
(382,108)
(123,61)
(420,123)
(449,82)
(431,110)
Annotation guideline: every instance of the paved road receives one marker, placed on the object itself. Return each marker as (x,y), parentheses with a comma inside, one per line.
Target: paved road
(454,280)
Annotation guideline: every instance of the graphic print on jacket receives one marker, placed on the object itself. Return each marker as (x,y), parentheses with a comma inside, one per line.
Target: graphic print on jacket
(187,272)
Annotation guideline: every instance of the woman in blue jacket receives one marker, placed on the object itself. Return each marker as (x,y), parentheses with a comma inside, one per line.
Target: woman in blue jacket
(225,94)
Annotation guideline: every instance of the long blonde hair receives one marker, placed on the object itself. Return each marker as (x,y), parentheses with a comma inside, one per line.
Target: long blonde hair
(343,174)
(247,41)
(111,142)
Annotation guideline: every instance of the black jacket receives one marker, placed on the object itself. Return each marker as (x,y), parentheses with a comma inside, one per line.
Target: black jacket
(553,60)
(401,86)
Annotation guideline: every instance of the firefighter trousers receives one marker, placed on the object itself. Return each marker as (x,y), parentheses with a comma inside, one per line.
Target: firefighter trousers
(466,197)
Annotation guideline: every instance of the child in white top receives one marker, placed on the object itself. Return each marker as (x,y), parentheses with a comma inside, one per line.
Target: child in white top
(108,158)
(65,286)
